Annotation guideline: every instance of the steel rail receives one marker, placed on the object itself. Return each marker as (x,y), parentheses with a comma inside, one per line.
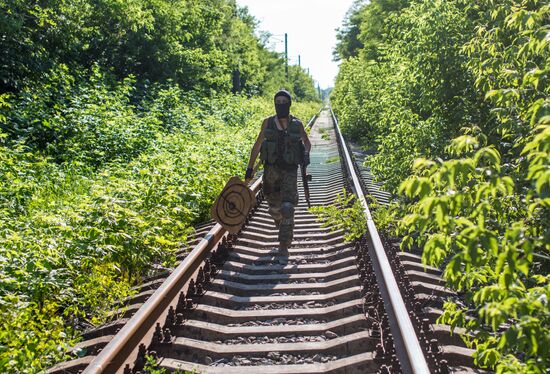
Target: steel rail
(407,346)
(116,353)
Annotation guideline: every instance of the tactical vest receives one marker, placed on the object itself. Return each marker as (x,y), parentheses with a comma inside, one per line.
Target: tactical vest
(291,149)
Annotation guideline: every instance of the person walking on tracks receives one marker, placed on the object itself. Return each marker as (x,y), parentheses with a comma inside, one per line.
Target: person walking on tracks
(283,145)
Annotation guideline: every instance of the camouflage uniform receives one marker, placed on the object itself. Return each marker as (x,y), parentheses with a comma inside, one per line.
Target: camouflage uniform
(280,186)
(281,153)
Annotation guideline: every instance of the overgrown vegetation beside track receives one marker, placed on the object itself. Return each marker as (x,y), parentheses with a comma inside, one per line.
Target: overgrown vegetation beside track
(117,131)
(77,234)
(453,97)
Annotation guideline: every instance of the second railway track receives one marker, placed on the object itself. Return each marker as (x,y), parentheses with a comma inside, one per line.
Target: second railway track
(249,309)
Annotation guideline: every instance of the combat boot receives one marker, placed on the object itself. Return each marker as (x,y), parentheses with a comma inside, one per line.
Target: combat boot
(283,253)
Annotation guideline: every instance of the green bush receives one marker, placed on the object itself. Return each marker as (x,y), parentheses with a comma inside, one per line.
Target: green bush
(346,213)
(113,185)
(117,132)
(454,98)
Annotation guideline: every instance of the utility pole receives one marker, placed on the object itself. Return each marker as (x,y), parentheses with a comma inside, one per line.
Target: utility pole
(299,60)
(319,90)
(236,81)
(286,55)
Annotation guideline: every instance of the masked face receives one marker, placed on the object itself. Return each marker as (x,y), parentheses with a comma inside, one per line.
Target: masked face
(282,110)
(282,107)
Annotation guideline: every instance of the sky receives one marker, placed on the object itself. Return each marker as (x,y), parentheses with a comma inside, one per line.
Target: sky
(311,27)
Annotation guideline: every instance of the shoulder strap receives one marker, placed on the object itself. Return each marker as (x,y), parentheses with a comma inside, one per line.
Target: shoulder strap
(271,123)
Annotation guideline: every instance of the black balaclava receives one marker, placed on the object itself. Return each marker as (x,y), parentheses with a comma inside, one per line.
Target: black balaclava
(283,110)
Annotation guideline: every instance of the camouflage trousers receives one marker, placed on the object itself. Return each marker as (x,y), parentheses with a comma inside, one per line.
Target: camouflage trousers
(280,187)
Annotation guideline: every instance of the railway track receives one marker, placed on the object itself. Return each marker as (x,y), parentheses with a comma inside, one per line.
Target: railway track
(236,305)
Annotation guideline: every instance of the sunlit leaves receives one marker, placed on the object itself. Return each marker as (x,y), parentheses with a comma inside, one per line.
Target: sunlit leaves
(346,213)
(472,104)
(463,145)
(469,217)
(436,249)
(538,153)
(76,235)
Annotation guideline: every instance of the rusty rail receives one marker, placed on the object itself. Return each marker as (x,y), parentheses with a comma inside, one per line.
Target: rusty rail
(312,120)
(409,352)
(118,351)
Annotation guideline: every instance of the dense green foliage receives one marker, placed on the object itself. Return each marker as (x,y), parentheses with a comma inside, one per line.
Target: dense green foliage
(77,233)
(453,97)
(114,125)
(200,45)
